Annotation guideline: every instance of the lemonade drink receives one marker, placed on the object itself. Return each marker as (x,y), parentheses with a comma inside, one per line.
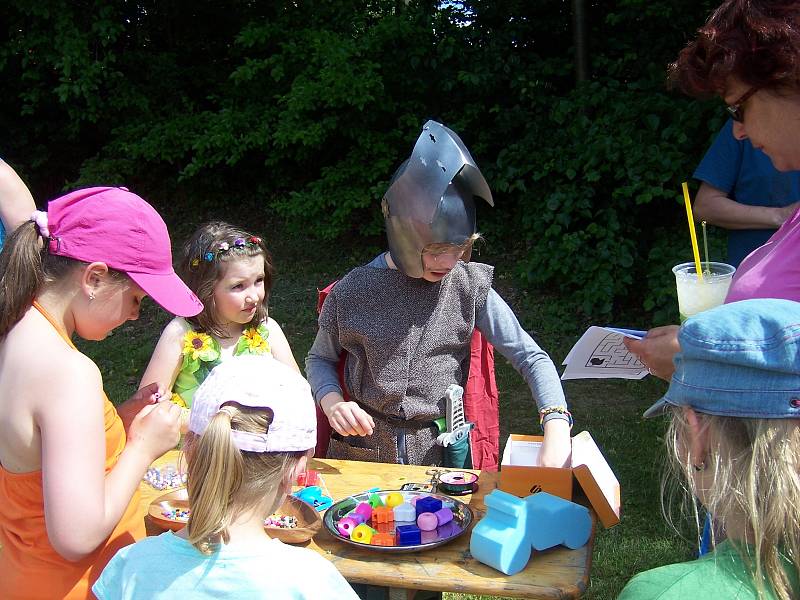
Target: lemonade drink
(695,296)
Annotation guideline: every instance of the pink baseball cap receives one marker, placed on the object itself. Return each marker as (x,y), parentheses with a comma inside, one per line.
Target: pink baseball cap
(259,382)
(117,227)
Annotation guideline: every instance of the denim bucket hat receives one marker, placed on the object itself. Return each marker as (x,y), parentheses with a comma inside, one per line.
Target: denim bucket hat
(739,360)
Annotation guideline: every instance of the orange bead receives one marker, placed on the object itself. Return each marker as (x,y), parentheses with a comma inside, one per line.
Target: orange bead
(382,514)
(382,539)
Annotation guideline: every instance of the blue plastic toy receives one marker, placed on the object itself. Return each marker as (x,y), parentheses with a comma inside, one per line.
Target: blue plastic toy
(500,539)
(557,521)
(313,495)
(512,526)
(428,504)
(408,535)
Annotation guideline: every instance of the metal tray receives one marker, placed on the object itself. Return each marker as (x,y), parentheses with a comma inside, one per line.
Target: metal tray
(462,518)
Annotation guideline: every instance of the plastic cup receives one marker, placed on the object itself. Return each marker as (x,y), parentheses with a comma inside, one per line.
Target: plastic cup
(695,296)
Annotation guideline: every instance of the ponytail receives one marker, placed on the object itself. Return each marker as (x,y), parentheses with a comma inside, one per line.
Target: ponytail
(215,473)
(224,482)
(25,268)
(21,274)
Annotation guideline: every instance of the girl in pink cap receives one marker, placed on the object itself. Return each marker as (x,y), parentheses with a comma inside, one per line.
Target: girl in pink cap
(71,463)
(231,271)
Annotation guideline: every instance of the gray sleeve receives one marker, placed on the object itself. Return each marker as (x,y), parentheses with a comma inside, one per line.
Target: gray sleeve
(498,323)
(322,363)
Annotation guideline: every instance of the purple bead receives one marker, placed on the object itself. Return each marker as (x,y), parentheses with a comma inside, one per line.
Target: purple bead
(427,521)
(444,515)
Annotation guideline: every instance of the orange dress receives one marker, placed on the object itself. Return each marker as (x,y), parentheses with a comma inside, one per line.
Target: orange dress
(29,566)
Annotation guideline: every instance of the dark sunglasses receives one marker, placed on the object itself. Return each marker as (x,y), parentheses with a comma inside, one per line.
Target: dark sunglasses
(735,109)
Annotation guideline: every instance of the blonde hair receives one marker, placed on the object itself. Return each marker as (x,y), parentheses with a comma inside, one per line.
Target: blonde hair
(751,480)
(225,482)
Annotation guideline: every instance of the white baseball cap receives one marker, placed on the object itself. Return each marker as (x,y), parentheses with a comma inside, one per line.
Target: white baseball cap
(259,382)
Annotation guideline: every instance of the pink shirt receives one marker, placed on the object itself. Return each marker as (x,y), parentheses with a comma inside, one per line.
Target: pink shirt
(771,270)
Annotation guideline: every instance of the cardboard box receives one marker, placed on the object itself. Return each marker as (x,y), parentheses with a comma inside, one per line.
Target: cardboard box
(520,476)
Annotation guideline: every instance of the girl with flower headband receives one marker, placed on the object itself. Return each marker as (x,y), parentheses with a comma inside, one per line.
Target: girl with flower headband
(231,271)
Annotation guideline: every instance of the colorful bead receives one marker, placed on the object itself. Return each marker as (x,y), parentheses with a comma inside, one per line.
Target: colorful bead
(382,514)
(362,534)
(382,539)
(281,521)
(394,499)
(346,525)
(427,521)
(165,478)
(405,512)
(176,514)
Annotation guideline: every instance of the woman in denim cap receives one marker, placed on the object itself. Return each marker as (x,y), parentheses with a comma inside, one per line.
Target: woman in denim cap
(734,436)
(748,53)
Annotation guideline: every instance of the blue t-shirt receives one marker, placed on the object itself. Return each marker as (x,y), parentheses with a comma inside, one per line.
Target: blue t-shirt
(2,235)
(747,176)
(166,567)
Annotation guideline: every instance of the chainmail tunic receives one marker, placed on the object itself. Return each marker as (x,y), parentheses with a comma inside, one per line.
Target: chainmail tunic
(406,340)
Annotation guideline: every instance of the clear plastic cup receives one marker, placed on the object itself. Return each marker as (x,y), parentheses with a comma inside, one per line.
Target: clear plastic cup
(694,295)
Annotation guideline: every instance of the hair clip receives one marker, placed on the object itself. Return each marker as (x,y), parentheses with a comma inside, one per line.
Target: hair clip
(225,247)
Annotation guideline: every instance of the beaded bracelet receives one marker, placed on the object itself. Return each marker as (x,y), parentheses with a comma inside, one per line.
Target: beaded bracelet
(560,410)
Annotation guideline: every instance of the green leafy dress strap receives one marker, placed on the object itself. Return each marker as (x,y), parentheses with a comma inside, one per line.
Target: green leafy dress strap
(201,353)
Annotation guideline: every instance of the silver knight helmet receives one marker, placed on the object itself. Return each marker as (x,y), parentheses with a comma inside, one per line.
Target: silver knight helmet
(431,199)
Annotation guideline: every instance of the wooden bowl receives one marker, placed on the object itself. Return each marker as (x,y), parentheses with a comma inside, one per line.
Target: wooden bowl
(309,521)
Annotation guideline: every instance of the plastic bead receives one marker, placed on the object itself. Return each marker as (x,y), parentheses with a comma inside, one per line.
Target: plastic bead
(427,521)
(375,501)
(165,478)
(346,525)
(428,504)
(407,535)
(394,499)
(362,534)
(405,512)
(443,515)
(382,539)
(364,509)
(382,514)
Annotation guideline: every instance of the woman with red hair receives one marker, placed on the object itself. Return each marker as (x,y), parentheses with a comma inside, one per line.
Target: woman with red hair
(748,53)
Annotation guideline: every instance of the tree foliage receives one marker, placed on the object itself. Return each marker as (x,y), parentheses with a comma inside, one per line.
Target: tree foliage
(307,108)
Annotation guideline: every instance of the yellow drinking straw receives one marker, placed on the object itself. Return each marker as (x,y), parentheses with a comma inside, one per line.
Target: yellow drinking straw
(692,232)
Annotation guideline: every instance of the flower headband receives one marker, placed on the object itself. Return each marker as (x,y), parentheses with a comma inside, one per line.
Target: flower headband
(224,247)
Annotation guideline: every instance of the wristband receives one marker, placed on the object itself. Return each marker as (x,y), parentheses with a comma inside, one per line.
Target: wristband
(560,410)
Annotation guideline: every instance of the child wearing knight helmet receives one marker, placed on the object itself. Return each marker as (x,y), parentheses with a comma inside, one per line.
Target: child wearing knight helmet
(231,271)
(405,320)
(252,429)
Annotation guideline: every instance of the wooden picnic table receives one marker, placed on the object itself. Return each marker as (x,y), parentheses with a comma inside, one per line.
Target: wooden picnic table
(556,573)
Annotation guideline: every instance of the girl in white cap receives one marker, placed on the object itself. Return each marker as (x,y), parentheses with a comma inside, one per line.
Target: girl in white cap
(251,430)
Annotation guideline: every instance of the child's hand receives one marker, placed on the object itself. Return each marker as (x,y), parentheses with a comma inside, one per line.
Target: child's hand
(346,418)
(149,394)
(557,447)
(656,350)
(156,429)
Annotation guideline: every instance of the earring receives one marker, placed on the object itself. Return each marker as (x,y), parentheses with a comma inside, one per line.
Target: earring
(700,467)
(91,296)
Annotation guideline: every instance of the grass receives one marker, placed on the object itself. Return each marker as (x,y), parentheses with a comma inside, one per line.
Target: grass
(609,409)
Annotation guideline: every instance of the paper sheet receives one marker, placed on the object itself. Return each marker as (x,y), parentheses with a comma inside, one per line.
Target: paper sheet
(600,354)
